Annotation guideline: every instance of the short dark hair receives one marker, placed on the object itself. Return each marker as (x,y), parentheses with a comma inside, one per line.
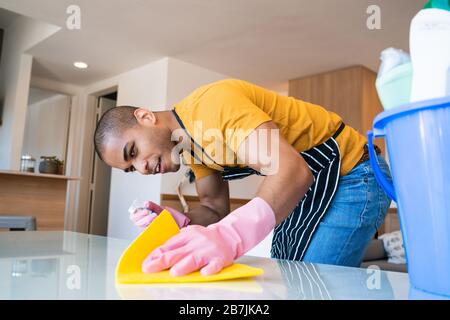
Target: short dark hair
(113,122)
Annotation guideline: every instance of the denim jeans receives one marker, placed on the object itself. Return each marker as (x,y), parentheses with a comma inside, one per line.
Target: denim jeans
(356,212)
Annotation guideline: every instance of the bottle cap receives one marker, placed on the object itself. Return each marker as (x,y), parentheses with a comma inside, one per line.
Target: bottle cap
(438,4)
(136,205)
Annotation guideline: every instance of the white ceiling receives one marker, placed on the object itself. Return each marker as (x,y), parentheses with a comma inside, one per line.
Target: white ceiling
(264,41)
(6,18)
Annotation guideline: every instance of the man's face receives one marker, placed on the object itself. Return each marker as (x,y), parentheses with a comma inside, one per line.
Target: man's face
(146,147)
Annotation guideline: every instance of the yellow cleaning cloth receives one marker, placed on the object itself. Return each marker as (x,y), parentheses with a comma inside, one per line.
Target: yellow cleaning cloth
(157,233)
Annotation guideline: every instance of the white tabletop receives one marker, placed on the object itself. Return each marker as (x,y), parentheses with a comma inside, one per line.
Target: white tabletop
(68,265)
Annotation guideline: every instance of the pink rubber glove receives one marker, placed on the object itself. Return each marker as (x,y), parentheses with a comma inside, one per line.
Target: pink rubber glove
(214,247)
(142,218)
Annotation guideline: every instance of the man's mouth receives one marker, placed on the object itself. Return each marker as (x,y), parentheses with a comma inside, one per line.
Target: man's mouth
(159,168)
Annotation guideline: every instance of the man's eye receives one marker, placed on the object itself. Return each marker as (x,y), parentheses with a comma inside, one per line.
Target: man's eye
(132,153)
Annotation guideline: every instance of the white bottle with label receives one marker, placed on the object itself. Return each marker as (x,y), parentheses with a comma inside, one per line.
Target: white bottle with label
(430,51)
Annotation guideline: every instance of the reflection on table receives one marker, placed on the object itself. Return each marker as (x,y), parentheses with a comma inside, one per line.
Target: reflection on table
(67,265)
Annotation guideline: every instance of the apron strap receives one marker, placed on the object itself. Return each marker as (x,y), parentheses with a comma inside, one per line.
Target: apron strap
(193,154)
(339,130)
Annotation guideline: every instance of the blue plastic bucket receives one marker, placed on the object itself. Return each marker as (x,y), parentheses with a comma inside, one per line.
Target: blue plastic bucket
(418,142)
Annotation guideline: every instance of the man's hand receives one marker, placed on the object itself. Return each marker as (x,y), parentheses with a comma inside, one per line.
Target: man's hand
(196,247)
(216,246)
(142,218)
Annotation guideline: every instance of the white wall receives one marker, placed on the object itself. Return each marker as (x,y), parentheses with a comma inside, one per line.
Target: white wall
(74,155)
(15,74)
(46,128)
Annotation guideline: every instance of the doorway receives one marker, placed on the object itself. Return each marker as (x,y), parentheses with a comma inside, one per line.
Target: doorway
(47,127)
(100,178)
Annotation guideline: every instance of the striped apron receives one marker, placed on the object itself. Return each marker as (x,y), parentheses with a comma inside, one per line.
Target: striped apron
(291,238)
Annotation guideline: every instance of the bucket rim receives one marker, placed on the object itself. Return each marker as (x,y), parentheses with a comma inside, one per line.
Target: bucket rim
(383,118)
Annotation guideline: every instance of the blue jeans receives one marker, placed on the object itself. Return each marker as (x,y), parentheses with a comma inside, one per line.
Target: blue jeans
(356,212)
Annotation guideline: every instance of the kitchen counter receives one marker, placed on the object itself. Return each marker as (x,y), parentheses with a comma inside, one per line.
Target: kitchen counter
(42,196)
(37,175)
(68,265)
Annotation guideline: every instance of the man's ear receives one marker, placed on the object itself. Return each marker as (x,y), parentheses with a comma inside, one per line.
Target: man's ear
(144,116)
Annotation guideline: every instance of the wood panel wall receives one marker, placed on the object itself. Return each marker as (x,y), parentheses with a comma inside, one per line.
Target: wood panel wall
(41,197)
(172,200)
(1,98)
(349,92)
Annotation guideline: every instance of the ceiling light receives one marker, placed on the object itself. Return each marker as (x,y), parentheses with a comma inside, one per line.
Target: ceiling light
(80,65)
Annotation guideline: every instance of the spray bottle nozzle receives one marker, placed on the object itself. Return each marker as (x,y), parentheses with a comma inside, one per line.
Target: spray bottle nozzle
(438,4)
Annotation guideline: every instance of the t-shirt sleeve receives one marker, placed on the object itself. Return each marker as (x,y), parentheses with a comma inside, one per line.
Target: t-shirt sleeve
(235,113)
(201,171)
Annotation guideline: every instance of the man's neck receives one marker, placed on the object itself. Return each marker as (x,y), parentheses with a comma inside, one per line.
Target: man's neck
(168,119)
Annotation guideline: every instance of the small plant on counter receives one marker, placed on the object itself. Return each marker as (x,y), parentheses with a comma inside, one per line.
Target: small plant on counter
(60,165)
(51,164)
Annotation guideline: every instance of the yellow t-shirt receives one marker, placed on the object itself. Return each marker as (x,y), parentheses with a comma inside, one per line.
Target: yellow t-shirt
(220,115)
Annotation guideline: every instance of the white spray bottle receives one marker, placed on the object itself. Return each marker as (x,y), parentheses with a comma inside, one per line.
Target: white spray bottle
(430,51)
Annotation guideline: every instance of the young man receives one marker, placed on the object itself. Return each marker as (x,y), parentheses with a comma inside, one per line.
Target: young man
(318,191)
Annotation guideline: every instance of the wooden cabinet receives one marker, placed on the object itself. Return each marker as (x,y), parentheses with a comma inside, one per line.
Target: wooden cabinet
(349,92)
(34,194)
(171,200)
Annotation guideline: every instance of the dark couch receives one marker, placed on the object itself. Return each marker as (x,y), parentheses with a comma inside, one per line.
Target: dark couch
(376,255)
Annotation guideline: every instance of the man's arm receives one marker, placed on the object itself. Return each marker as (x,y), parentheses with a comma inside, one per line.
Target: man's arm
(286,186)
(214,197)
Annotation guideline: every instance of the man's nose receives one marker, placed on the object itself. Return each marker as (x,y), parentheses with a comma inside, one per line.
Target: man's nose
(141,166)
